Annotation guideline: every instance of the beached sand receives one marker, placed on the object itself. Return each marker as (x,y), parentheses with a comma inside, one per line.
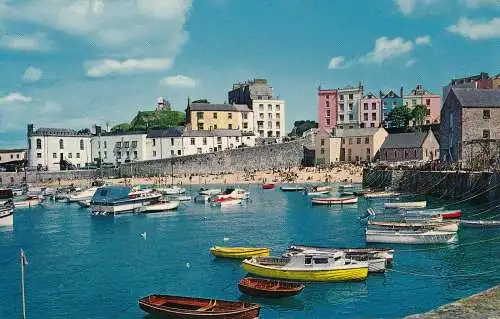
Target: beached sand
(339,173)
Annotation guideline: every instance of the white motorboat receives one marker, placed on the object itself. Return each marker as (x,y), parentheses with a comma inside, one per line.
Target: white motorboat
(183,198)
(419,204)
(174,190)
(17,191)
(480,223)
(292,188)
(161,206)
(84,203)
(236,193)
(28,203)
(410,236)
(227,201)
(318,190)
(120,199)
(83,195)
(210,192)
(6,207)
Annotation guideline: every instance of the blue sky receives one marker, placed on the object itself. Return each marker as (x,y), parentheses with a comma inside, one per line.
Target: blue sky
(72,63)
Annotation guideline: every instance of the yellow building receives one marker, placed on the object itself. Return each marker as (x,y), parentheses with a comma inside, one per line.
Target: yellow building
(203,116)
(495,82)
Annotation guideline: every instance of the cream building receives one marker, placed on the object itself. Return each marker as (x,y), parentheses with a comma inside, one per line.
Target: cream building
(205,116)
(269,118)
(327,148)
(118,148)
(359,145)
(12,155)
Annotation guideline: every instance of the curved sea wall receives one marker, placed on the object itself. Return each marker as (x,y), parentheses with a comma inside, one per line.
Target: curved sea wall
(265,157)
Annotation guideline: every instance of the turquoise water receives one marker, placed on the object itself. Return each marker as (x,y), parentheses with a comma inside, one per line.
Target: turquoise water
(98,267)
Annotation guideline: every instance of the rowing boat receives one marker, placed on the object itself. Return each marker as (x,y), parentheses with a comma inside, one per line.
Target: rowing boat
(420,204)
(334,200)
(409,236)
(269,288)
(480,223)
(165,306)
(451,226)
(238,252)
(292,188)
(380,194)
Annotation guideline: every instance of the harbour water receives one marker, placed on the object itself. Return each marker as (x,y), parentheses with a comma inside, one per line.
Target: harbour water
(82,266)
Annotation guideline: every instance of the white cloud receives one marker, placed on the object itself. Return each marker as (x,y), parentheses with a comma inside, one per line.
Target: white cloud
(178,81)
(405,6)
(480,3)
(33,42)
(337,62)
(410,63)
(50,107)
(14,97)
(101,68)
(476,30)
(423,40)
(386,49)
(32,74)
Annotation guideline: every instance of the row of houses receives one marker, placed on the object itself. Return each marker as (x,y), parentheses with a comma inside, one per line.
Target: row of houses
(55,149)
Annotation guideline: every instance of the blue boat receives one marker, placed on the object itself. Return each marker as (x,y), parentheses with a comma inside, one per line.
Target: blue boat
(121,199)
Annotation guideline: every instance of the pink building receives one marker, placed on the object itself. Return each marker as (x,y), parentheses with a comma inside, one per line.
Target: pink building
(327,109)
(420,96)
(369,112)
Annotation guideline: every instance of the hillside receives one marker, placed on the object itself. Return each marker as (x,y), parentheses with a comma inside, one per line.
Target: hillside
(152,120)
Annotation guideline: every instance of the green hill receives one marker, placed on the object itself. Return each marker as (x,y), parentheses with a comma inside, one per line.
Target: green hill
(152,120)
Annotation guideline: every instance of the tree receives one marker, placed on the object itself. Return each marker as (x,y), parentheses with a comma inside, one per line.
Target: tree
(202,101)
(299,127)
(122,127)
(419,113)
(400,117)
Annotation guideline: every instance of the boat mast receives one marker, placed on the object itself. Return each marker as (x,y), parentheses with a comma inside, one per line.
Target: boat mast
(172,172)
(23,261)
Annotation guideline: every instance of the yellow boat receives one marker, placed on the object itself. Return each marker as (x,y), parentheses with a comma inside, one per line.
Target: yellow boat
(320,267)
(239,252)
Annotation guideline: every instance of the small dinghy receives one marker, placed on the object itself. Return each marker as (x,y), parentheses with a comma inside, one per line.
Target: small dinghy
(269,288)
(161,206)
(334,200)
(380,194)
(165,306)
(480,223)
(420,204)
(183,198)
(239,252)
(317,190)
(268,186)
(292,188)
(226,201)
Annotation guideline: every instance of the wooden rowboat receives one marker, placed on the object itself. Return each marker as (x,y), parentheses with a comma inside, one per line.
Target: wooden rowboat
(239,252)
(292,188)
(269,288)
(165,306)
(480,223)
(268,186)
(451,226)
(334,200)
(420,204)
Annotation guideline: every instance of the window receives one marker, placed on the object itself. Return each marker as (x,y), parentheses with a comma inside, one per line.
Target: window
(38,143)
(367,140)
(277,107)
(327,121)
(341,97)
(277,133)
(341,107)
(368,151)
(327,104)
(12,156)
(199,115)
(365,106)
(154,153)
(322,141)
(154,142)
(135,154)
(486,114)
(172,141)
(38,155)
(198,150)
(365,116)
(322,151)
(261,115)
(126,144)
(308,260)
(374,106)
(269,108)
(61,144)
(204,141)
(215,126)
(134,143)
(358,140)
(215,115)
(341,118)
(261,107)
(245,116)
(259,97)
(128,154)
(343,140)
(78,154)
(118,144)
(200,126)
(278,124)
(118,154)
(486,133)
(230,126)
(277,115)
(351,117)
(192,141)
(172,152)
(237,138)
(351,105)
(328,113)
(179,152)
(105,154)
(219,140)
(413,102)
(351,96)
(229,115)
(427,102)
(269,124)
(82,146)
(350,141)
(99,144)
(245,125)
(54,155)
(372,124)
(105,144)
(374,116)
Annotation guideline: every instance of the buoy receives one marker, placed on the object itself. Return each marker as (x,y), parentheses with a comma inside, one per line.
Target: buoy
(144,235)
(188,265)
(226,238)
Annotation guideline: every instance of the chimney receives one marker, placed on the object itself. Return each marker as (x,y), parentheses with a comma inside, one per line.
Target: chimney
(30,129)
(401,92)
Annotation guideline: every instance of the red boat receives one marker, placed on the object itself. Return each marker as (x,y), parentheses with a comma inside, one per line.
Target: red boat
(268,186)
(269,288)
(452,214)
(164,306)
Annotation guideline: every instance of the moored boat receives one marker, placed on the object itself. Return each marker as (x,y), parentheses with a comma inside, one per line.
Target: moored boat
(268,186)
(380,194)
(334,200)
(166,306)
(226,201)
(292,188)
(410,236)
(202,198)
(419,204)
(480,223)
(234,193)
(84,203)
(239,252)
(160,206)
(444,214)
(174,190)
(325,268)
(210,192)
(83,195)
(451,226)
(182,198)
(6,215)
(28,203)
(269,288)
(317,190)
(119,199)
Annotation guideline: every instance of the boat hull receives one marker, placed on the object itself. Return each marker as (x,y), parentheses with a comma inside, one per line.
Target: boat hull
(239,252)
(374,236)
(292,189)
(266,288)
(422,204)
(27,203)
(330,275)
(7,219)
(480,223)
(268,186)
(334,201)
(130,206)
(161,207)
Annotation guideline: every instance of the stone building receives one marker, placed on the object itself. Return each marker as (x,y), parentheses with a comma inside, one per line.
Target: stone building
(417,146)
(359,145)
(479,81)
(247,92)
(469,132)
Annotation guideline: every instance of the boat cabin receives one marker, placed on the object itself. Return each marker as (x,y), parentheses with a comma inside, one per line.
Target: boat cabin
(304,261)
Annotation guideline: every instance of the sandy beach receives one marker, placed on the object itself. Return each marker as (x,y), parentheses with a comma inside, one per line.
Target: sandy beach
(339,173)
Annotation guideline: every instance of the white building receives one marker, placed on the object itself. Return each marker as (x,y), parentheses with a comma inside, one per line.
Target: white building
(54,149)
(348,104)
(118,148)
(12,155)
(269,118)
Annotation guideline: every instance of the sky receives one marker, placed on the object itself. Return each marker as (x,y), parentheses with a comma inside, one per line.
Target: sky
(75,63)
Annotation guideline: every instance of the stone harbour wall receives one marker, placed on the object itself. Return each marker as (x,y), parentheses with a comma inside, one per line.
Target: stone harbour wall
(265,157)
